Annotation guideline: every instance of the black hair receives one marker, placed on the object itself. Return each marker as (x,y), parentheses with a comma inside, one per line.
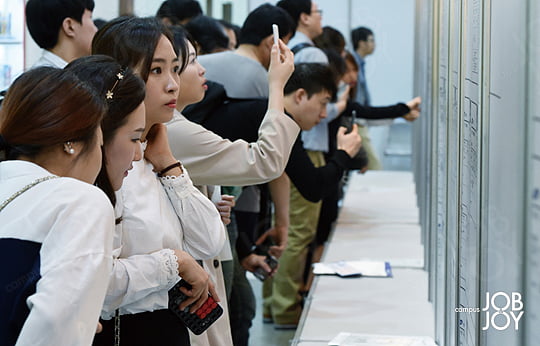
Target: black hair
(295,8)
(336,63)
(99,23)
(180,36)
(164,11)
(101,73)
(178,11)
(330,39)
(258,24)
(360,34)
(235,28)
(132,42)
(313,78)
(208,33)
(44,18)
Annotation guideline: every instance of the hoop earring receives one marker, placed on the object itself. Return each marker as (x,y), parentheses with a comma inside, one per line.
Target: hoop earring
(68,148)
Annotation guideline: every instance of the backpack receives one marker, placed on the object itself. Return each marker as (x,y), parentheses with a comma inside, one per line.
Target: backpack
(228,117)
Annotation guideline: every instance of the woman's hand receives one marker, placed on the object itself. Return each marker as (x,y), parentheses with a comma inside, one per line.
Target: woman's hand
(199,280)
(281,65)
(224,207)
(279,236)
(414,109)
(158,151)
(341,102)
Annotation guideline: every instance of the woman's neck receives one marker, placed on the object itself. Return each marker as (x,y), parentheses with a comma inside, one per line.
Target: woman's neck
(53,162)
(180,106)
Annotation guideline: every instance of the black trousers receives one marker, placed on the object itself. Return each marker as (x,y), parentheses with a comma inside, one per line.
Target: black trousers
(157,328)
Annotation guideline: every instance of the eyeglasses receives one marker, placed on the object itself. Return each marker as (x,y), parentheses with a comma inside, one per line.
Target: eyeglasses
(319,11)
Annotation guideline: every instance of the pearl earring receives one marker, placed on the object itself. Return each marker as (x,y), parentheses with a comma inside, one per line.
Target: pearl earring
(68,148)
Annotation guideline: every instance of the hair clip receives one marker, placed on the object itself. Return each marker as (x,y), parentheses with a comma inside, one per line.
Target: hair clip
(110,92)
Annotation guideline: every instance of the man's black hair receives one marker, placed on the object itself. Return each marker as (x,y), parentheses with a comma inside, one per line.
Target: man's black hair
(295,8)
(44,18)
(313,78)
(179,10)
(208,33)
(258,24)
(99,23)
(360,34)
(230,26)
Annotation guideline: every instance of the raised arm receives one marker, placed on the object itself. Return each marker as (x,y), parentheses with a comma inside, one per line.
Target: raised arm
(212,160)
(281,68)
(314,183)
(409,111)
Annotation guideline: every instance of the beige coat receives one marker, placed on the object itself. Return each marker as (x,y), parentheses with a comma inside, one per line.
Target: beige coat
(212,160)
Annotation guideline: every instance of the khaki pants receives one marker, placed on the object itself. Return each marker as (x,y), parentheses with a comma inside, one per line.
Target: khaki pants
(280,293)
(374,162)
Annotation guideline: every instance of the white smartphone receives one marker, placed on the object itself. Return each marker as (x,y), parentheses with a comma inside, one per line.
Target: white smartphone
(275,30)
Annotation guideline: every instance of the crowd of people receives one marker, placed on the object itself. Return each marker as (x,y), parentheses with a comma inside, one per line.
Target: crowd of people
(172,147)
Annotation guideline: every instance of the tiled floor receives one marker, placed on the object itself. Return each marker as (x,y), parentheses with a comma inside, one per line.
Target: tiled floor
(397,157)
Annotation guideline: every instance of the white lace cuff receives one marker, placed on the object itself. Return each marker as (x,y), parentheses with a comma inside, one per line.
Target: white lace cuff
(180,186)
(170,267)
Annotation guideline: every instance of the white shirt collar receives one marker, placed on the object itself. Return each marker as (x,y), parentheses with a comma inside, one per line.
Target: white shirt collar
(299,37)
(48,58)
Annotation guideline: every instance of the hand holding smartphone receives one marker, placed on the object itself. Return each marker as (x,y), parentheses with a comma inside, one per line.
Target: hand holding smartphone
(199,321)
(260,273)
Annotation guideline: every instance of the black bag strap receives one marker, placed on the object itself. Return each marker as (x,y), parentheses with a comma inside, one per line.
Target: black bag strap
(301,46)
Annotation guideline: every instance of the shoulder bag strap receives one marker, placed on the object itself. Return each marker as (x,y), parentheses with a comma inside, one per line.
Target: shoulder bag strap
(25,188)
(300,46)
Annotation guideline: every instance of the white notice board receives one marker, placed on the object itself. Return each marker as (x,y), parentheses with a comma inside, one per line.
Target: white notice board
(532,197)
(470,171)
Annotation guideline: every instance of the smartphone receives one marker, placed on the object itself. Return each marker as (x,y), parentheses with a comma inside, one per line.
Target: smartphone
(260,273)
(199,321)
(353,120)
(275,30)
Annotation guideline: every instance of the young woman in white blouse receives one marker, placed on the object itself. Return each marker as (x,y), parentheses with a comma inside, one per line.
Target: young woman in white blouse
(167,222)
(124,122)
(55,227)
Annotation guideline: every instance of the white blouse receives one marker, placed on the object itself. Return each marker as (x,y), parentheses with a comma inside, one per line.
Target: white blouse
(159,215)
(74,223)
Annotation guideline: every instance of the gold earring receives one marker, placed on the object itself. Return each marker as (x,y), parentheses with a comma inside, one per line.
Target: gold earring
(68,148)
